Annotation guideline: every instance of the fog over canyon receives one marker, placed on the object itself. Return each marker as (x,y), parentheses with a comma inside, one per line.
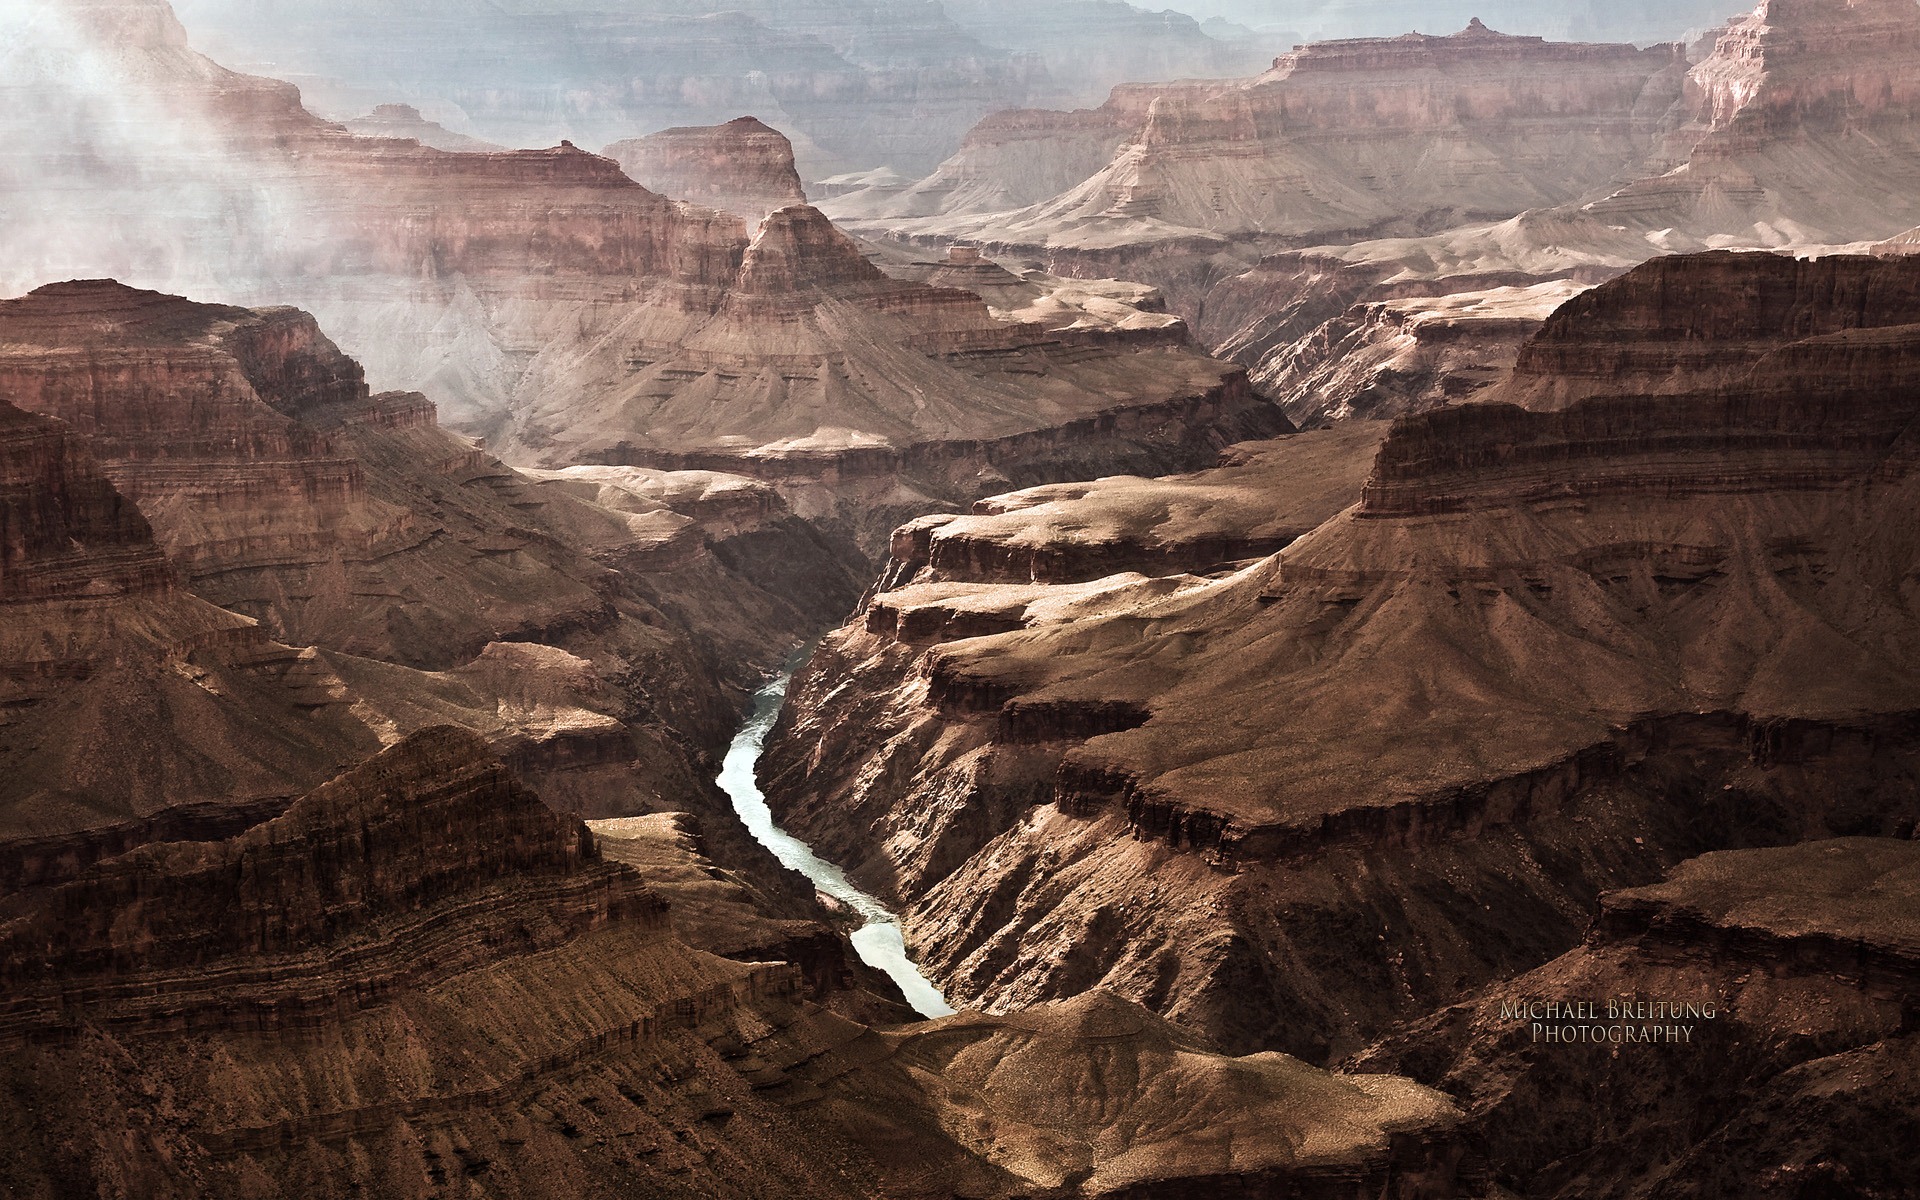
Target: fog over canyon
(957,598)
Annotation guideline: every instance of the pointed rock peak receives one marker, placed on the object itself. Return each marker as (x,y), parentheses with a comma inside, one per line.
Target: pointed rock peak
(1477,28)
(445,779)
(744,167)
(797,247)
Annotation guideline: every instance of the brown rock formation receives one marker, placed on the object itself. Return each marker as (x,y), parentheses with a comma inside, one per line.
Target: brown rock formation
(405,121)
(744,167)
(885,397)
(1325,143)
(599,647)
(419,976)
(1788,976)
(1799,129)
(125,696)
(1489,678)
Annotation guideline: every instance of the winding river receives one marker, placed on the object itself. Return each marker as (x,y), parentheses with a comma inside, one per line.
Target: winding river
(878,941)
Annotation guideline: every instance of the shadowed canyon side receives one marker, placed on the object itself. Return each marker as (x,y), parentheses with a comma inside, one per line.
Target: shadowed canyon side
(419,973)
(1089,736)
(1792,968)
(375,575)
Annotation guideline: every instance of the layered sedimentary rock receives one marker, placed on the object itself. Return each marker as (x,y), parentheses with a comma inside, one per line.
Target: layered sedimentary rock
(857,391)
(743,167)
(1388,358)
(420,976)
(375,575)
(860,84)
(1337,138)
(1261,211)
(124,694)
(1544,654)
(508,286)
(1799,129)
(1095,1096)
(1751,1033)
(405,121)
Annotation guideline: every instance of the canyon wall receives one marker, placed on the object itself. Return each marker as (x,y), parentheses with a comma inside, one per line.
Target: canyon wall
(1522,658)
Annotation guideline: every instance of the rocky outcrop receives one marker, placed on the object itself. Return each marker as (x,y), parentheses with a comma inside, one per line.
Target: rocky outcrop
(1746,1021)
(122,696)
(1485,678)
(1798,130)
(744,167)
(507,286)
(1262,496)
(823,374)
(1691,323)
(1024,1088)
(405,121)
(1318,146)
(1388,358)
(858,84)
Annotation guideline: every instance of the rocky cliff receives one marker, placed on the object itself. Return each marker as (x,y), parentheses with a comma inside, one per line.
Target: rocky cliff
(375,575)
(1780,984)
(859,84)
(1490,676)
(125,696)
(743,167)
(868,398)
(1326,144)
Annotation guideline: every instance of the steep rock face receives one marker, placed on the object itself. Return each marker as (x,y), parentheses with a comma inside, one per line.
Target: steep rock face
(859,84)
(1790,973)
(417,971)
(405,121)
(599,647)
(743,167)
(1689,323)
(506,286)
(1800,129)
(868,398)
(1490,677)
(1327,142)
(125,696)
(1262,496)
(1389,358)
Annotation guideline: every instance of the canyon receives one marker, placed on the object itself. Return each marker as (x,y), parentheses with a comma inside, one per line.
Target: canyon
(857,84)
(1322,572)
(1435,686)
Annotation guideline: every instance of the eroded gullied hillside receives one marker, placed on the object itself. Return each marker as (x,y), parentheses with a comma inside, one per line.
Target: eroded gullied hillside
(862,395)
(419,975)
(1534,655)
(1787,1038)
(1337,139)
(239,571)
(126,695)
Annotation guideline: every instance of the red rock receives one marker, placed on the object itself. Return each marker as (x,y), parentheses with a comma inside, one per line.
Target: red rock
(1532,633)
(744,167)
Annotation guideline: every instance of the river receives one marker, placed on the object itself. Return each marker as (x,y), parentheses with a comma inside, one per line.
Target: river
(878,941)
